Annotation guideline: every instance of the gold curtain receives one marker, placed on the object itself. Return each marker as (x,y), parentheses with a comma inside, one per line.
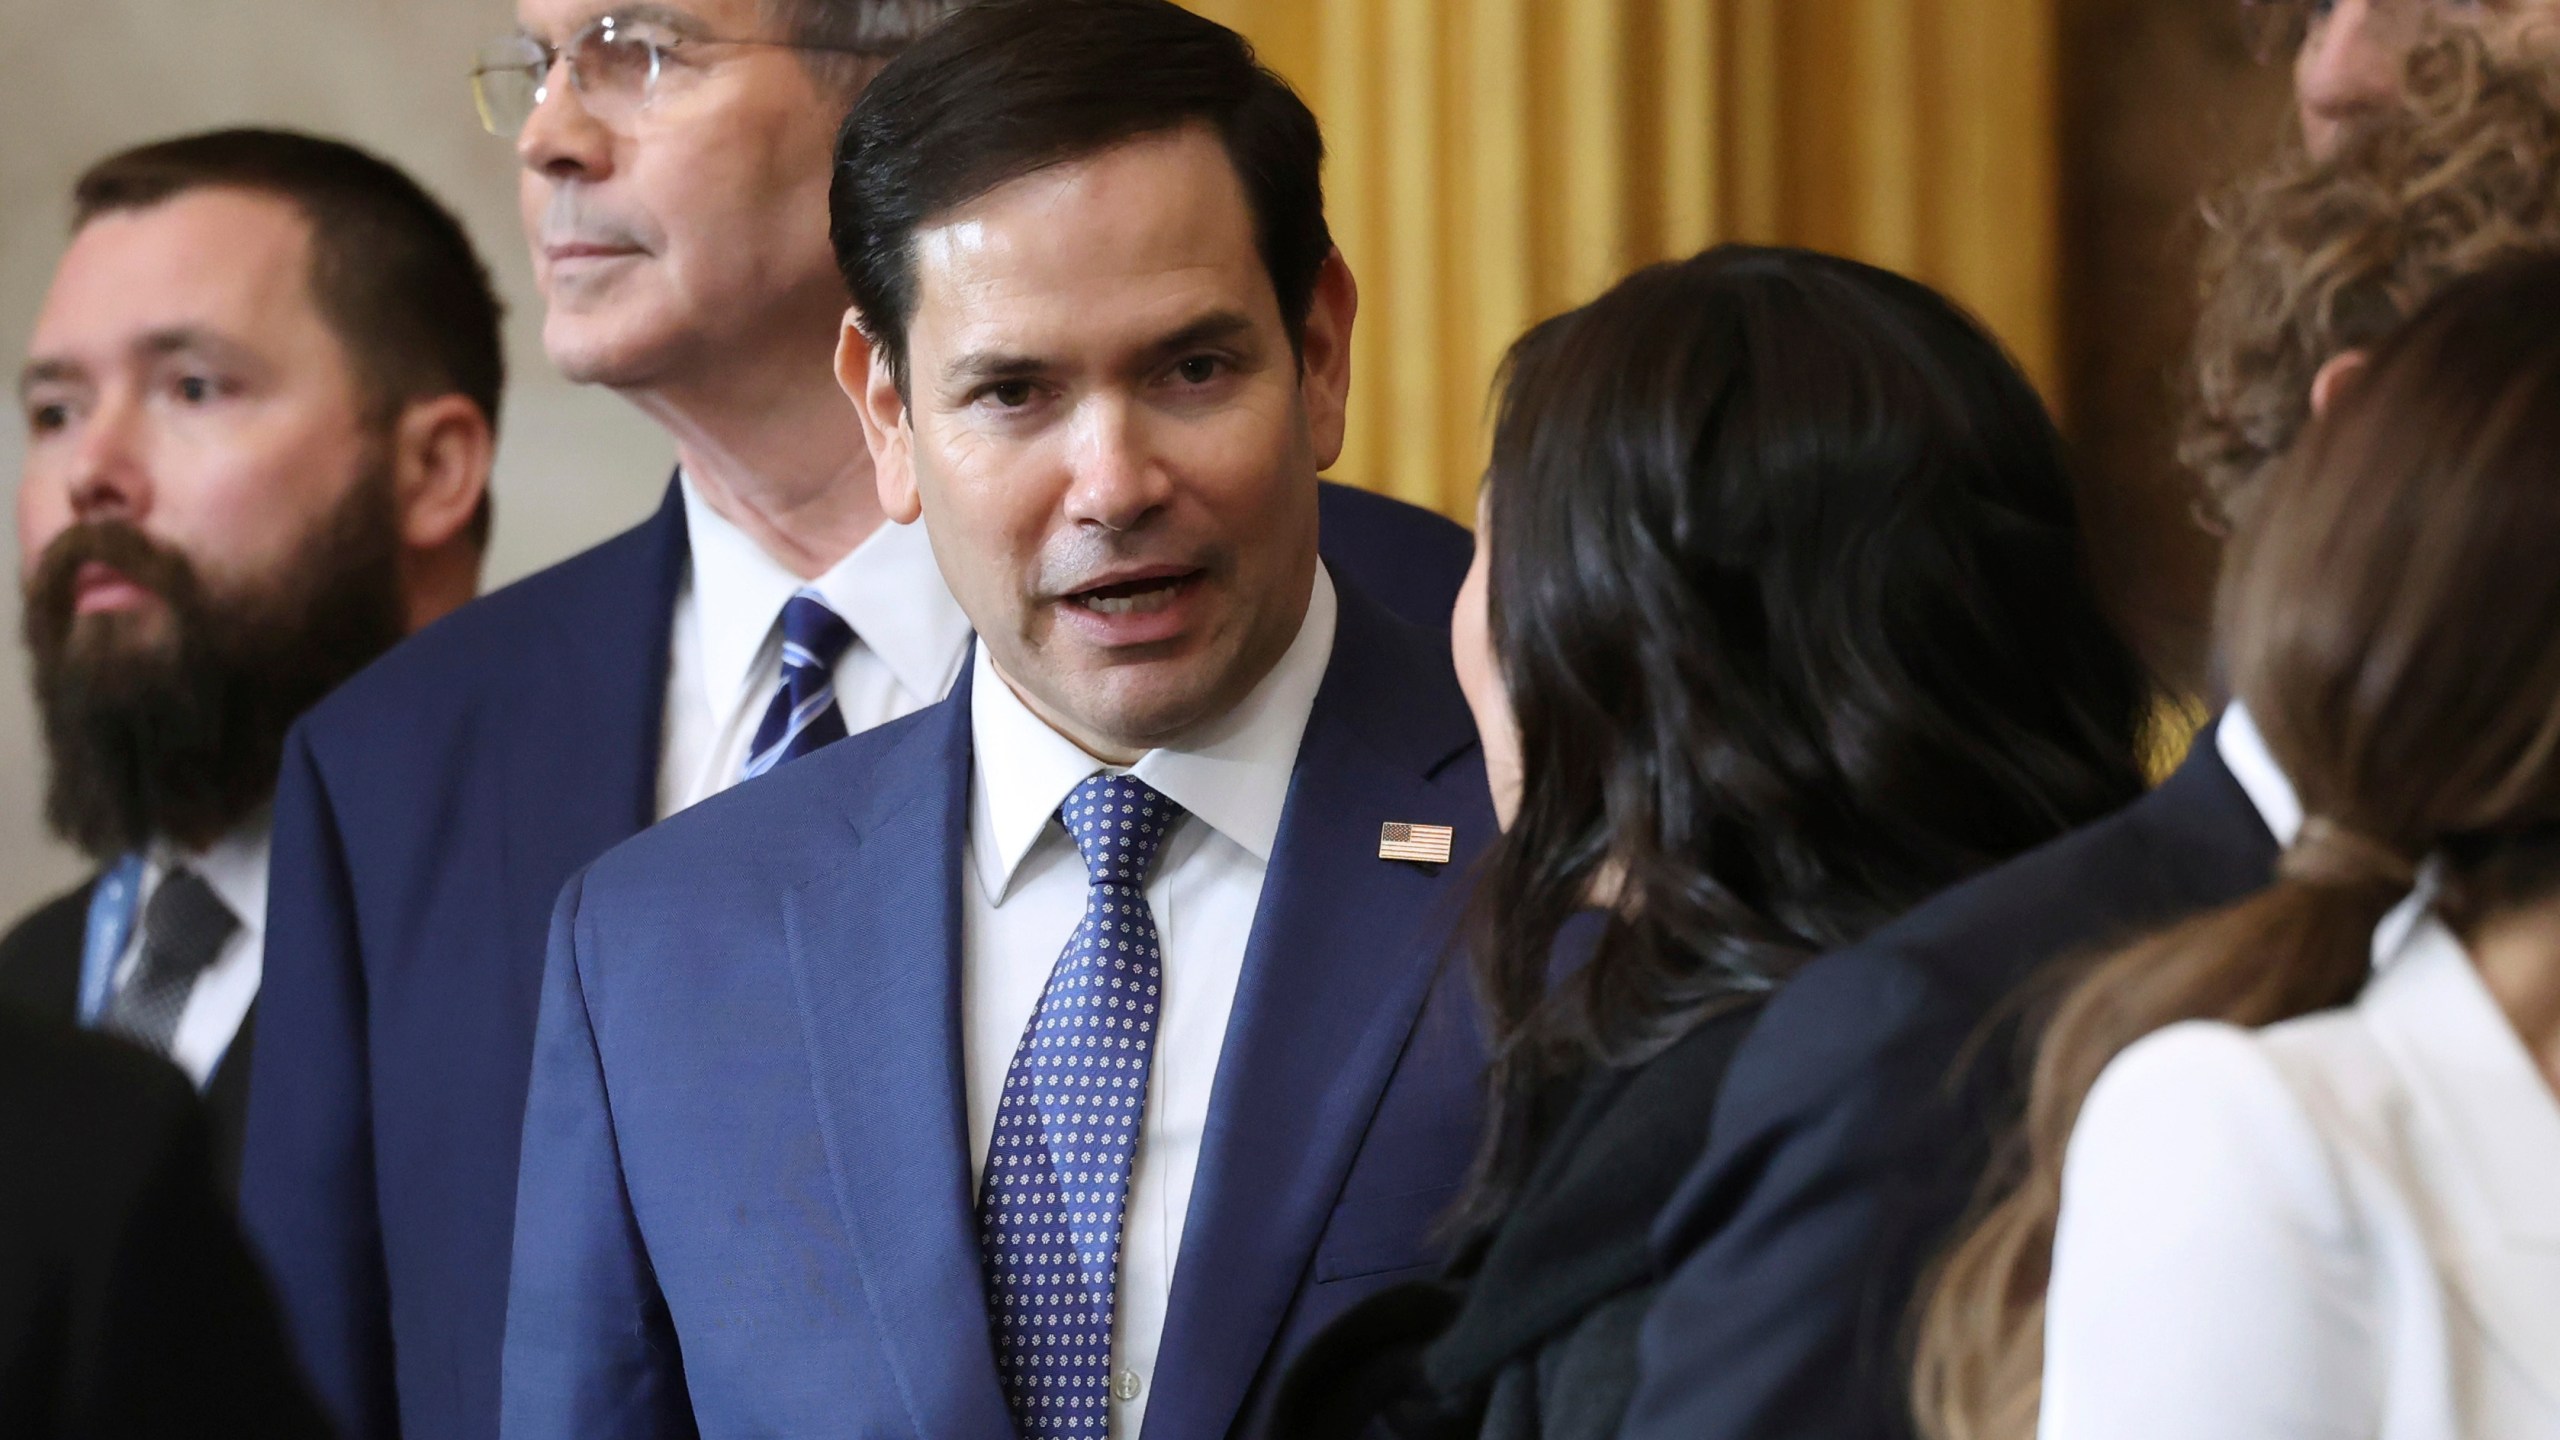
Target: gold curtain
(1495,161)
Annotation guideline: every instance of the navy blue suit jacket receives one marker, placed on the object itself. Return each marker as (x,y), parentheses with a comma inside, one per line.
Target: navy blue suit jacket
(746,1202)
(1858,1118)
(427,817)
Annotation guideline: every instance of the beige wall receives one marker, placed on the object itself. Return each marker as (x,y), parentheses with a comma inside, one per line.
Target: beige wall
(79,78)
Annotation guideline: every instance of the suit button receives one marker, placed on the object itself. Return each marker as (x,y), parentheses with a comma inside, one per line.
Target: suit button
(1125,1386)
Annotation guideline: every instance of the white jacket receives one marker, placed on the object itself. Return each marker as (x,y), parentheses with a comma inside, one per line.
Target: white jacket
(2347,1225)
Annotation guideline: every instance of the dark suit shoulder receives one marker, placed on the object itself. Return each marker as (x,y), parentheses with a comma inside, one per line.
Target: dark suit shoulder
(1413,560)
(2190,845)
(483,651)
(40,956)
(1856,1121)
(735,832)
(1397,680)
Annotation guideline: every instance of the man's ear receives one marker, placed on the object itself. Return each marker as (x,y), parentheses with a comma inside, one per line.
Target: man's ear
(863,372)
(1324,376)
(2336,375)
(441,451)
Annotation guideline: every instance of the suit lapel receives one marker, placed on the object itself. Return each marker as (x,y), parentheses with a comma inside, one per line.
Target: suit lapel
(1344,951)
(582,772)
(875,960)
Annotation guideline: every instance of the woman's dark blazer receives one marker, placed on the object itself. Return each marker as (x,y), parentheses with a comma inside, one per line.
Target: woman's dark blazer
(1532,1332)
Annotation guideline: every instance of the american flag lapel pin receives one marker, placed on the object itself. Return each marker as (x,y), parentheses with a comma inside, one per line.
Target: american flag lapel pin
(1423,844)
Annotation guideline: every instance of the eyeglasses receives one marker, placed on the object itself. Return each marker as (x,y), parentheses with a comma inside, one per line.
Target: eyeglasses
(615,64)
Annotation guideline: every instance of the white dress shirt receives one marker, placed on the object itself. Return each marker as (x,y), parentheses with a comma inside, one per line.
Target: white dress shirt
(2245,754)
(2346,1225)
(1232,782)
(235,868)
(725,651)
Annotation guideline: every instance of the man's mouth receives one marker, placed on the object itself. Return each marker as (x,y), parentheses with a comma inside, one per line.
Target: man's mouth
(98,588)
(574,252)
(1143,595)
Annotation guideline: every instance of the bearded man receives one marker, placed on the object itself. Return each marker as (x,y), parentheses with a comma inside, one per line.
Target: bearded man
(261,402)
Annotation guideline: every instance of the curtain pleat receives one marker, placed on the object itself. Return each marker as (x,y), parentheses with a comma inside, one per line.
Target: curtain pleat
(1496,161)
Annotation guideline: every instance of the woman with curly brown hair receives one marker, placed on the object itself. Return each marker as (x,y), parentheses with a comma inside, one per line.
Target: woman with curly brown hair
(2294,1166)
(2310,259)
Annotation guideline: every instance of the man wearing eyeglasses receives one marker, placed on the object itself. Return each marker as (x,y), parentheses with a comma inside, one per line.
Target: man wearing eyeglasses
(675,169)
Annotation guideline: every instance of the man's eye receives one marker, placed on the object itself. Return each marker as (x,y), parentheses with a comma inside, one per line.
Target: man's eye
(1198,370)
(1010,394)
(46,419)
(194,389)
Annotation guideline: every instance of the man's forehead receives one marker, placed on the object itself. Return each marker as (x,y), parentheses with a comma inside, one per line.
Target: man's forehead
(1159,226)
(204,260)
(1163,181)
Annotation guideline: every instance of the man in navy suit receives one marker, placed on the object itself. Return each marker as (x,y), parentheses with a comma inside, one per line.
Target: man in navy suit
(675,161)
(1056,1060)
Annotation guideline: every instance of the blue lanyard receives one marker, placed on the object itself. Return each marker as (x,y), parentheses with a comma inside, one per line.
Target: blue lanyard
(112,907)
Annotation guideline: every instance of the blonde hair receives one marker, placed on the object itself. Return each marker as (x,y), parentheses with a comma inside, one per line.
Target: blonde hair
(2309,258)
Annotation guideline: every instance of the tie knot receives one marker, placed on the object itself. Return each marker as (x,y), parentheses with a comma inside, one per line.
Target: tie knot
(814,637)
(1118,822)
(186,924)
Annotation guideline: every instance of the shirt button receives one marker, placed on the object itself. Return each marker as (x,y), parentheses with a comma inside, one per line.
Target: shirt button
(1125,1387)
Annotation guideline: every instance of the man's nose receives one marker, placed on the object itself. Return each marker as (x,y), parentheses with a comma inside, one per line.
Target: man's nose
(1119,481)
(109,480)
(561,139)
(2349,67)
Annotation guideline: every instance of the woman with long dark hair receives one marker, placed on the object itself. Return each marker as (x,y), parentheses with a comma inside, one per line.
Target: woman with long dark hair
(1779,623)
(2293,1168)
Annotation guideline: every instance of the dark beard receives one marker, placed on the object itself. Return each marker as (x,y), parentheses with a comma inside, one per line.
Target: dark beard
(172,723)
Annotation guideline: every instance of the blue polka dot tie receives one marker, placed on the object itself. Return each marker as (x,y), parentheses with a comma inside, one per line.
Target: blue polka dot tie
(1058,1173)
(803,715)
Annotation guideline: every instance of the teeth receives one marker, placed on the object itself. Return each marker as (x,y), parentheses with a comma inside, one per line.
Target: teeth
(1144,602)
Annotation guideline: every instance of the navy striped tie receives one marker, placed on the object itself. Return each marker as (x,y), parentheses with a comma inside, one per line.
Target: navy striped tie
(803,715)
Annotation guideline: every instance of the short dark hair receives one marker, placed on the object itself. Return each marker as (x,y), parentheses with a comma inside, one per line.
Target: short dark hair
(1008,87)
(848,40)
(392,270)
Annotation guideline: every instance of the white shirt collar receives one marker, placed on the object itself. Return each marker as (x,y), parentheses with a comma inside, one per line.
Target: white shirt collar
(888,589)
(235,867)
(1234,774)
(2243,747)
(2244,751)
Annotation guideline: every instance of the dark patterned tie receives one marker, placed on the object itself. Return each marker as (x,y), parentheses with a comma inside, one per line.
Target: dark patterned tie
(803,715)
(183,928)
(1058,1172)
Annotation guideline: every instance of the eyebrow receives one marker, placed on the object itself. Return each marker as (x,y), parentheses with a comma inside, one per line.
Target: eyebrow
(154,345)
(984,367)
(48,372)
(981,367)
(1218,327)
(179,339)
(667,16)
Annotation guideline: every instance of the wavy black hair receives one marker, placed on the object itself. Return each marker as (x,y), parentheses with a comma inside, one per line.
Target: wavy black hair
(1789,596)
